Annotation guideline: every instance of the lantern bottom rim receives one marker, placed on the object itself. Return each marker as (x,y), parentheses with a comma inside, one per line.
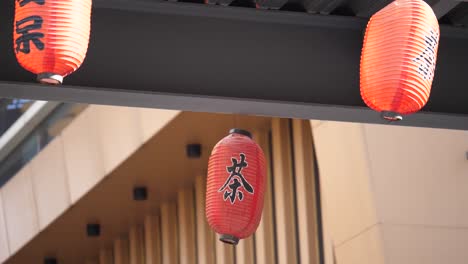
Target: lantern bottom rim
(391,116)
(229,239)
(49,78)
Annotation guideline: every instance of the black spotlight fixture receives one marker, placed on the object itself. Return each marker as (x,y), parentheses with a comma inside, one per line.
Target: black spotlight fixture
(140,193)
(93,230)
(194,150)
(50,261)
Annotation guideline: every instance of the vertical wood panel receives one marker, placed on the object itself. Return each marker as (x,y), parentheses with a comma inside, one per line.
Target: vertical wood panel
(170,252)
(245,251)
(106,256)
(224,252)
(284,192)
(264,236)
(205,236)
(121,254)
(305,192)
(152,239)
(186,222)
(136,245)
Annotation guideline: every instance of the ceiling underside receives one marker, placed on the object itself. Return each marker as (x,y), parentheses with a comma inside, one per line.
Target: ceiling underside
(299,61)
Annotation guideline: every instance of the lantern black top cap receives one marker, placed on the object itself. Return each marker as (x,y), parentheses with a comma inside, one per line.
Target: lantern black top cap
(240,131)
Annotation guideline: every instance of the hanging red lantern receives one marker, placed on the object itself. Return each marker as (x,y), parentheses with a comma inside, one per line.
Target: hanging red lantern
(51,36)
(235,186)
(399,57)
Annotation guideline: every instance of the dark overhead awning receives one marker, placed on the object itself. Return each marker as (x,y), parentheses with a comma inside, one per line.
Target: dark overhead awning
(201,57)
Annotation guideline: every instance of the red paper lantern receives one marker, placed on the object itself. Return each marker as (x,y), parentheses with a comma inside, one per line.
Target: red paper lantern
(399,57)
(51,36)
(235,186)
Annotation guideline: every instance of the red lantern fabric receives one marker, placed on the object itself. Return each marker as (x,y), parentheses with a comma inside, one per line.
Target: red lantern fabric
(399,57)
(235,186)
(51,36)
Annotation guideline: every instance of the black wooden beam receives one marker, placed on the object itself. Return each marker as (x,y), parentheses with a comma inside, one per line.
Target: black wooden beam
(442,7)
(203,103)
(235,60)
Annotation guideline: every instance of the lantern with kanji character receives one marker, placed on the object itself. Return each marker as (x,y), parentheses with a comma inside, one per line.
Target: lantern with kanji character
(51,36)
(399,57)
(235,186)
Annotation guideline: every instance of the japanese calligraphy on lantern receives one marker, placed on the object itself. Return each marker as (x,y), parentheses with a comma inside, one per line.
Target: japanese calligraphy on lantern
(28,29)
(427,59)
(398,58)
(234,184)
(233,209)
(51,37)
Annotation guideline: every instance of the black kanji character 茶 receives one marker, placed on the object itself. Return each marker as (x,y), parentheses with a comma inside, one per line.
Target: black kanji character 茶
(236,180)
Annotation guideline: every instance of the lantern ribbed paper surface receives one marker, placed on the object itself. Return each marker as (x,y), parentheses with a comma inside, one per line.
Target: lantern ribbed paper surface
(399,58)
(235,187)
(51,36)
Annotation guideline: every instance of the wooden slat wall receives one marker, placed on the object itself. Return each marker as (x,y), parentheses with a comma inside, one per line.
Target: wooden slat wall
(245,251)
(152,239)
(170,249)
(265,234)
(224,252)
(106,256)
(180,233)
(284,192)
(121,251)
(205,236)
(136,242)
(186,222)
(305,192)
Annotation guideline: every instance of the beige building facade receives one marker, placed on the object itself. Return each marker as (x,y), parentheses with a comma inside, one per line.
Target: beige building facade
(393,194)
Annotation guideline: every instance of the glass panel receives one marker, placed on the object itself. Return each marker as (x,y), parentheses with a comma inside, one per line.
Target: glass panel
(11,110)
(38,139)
